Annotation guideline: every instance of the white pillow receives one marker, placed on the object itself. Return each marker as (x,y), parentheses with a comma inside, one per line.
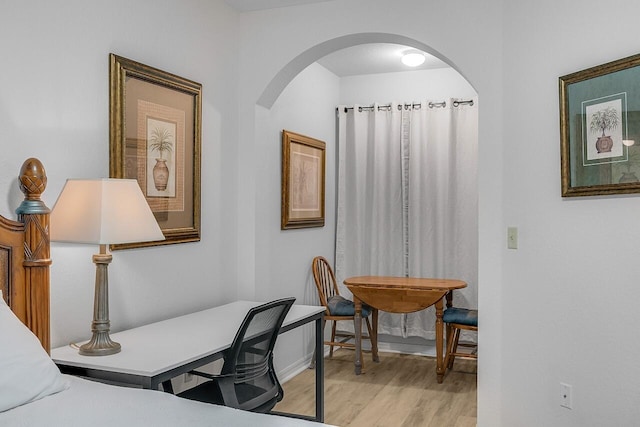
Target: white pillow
(27,373)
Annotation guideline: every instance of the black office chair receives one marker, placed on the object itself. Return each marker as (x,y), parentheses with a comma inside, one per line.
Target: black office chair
(248,380)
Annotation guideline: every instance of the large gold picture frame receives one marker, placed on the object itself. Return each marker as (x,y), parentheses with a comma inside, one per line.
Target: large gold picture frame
(303,174)
(600,129)
(155,132)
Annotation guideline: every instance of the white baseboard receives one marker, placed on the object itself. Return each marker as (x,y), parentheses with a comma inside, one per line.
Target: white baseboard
(296,368)
(386,343)
(426,348)
(423,349)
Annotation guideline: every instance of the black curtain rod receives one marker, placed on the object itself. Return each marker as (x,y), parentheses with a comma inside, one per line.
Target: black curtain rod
(407,106)
(457,103)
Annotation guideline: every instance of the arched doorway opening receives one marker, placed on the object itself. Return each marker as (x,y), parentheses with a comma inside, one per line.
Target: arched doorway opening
(313,54)
(266,109)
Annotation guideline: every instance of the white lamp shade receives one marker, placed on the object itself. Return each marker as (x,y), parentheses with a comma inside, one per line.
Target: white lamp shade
(103,211)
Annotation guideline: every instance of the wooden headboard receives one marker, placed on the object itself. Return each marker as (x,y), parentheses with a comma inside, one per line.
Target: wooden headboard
(25,254)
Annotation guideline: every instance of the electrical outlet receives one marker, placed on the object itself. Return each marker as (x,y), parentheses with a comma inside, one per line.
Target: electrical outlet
(566,398)
(188,377)
(512,237)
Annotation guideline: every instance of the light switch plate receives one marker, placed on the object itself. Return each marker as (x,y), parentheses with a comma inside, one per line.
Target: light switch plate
(566,399)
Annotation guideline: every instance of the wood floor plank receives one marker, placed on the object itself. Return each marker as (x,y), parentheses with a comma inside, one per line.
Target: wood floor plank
(401,390)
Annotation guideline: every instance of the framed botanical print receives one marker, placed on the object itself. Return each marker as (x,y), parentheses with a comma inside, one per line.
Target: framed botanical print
(600,129)
(303,174)
(155,120)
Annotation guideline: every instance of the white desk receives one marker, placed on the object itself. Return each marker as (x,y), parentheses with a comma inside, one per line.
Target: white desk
(155,353)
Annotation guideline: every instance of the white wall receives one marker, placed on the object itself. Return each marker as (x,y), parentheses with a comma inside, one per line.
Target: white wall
(288,39)
(54,101)
(411,86)
(570,294)
(545,308)
(283,257)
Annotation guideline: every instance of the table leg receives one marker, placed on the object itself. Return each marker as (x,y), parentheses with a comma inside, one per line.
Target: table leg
(439,341)
(319,362)
(374,338)
(357,324)
(449,329)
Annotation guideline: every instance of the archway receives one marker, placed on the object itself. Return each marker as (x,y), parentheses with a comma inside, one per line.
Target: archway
(311,55)
(278,84)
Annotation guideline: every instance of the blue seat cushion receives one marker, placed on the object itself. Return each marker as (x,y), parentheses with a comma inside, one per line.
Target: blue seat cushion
(340,306)
(463,316)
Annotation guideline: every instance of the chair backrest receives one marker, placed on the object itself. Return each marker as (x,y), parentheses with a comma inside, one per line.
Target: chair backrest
(325,279)
(248,366)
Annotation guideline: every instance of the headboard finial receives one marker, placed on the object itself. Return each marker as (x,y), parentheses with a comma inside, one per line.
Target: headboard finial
(33,181)
(31,297)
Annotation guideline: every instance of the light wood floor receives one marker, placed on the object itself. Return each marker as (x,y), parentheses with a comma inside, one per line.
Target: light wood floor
(400,391)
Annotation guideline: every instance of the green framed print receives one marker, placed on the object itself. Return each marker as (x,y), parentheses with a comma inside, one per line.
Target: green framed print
(600,129)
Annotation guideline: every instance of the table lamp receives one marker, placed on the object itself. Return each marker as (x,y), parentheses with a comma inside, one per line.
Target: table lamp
(102,211)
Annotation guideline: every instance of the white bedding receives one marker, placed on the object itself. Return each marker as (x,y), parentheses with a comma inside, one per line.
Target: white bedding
(90,403)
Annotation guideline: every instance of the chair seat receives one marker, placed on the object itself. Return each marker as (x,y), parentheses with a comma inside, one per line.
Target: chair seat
(209,392)
(340,306)
(462,316)
(206,392)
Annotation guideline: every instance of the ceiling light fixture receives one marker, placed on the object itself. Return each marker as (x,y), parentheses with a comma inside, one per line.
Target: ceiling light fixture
(413,59)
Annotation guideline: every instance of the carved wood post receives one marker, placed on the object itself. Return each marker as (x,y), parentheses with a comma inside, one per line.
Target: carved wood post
(37,259)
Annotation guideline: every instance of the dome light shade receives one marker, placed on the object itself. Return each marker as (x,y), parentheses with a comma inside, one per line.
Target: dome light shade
(413,59)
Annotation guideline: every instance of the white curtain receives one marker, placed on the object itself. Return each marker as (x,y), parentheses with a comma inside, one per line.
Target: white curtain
(407,199)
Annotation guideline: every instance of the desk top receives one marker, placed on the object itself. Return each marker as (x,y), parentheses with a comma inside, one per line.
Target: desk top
(417,283)
(158,347)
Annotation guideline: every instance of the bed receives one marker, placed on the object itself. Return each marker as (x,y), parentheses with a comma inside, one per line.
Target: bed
(33,392)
